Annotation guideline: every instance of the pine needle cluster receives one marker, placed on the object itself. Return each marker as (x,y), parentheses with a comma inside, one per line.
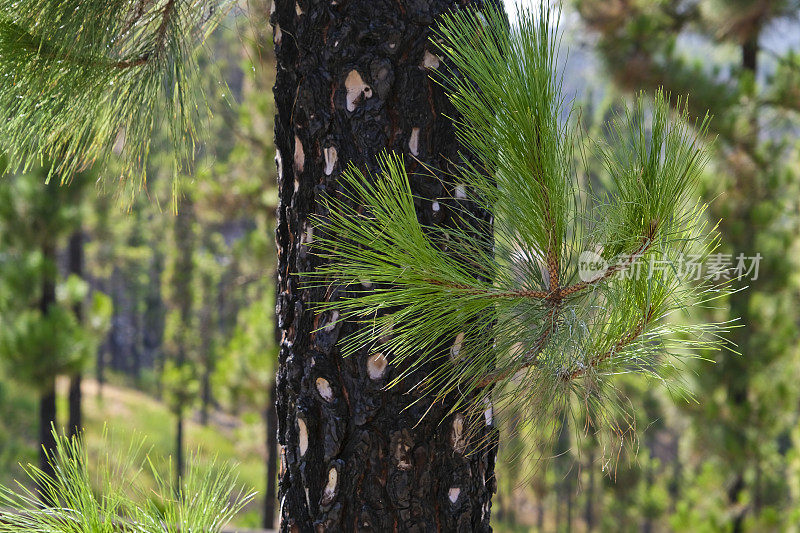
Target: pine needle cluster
(82,81)
(115,500)
(515,320)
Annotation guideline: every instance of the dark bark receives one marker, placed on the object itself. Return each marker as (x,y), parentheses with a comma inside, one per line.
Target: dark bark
(356,456)
(75,253)
(270,494)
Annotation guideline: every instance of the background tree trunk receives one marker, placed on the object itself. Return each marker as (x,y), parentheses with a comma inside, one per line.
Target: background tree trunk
(47,398)
(352,80)
(75,259)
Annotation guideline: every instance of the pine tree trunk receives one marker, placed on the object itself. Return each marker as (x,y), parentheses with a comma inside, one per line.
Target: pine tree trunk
(75,259)
(352,80)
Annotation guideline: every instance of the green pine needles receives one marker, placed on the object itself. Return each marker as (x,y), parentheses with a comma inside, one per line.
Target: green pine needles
(576,286)
(83,80)
(115,499)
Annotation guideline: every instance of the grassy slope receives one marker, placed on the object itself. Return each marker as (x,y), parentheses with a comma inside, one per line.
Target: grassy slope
(127,415)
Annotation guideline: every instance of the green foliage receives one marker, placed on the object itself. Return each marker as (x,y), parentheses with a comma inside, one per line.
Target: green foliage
(248,361)
(86,80)
(513,320)
(36,344)
(204,502)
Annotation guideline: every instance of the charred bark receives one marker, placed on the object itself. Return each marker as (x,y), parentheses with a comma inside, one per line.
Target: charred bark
(352,80)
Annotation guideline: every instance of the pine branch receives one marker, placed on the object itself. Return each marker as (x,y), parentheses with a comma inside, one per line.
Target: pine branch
(96,85)
(476,312)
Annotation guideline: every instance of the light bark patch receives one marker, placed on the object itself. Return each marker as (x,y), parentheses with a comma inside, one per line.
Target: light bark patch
(279,164)
(324,389)
(413,141)
(455,349)
(330,160)
(457,439)
(299,155)
(332,321)
(453,494)
(430,61)
(376,366)
(303,436)
(330,488)
(355,89)
(488,414)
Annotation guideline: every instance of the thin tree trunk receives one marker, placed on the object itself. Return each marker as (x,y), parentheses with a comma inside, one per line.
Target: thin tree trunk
(178,449)
(740,300)
(588,515)
(351,81)
(47,398)
(206,348)
(47,422)
(75,253)
(570,497)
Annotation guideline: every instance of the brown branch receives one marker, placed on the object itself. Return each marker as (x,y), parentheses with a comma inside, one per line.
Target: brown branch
(621,343)
(532,357)
(610,271)
(529,359)
(161,37)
